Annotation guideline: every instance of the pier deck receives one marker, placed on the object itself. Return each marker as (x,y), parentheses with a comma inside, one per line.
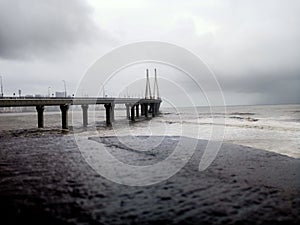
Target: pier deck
(148,106)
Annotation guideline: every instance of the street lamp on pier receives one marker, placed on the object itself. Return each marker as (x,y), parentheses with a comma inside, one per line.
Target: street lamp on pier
(49,91)
(65,86)
(1,86)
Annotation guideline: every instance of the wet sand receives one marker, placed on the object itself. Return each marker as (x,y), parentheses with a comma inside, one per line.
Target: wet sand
(45,180)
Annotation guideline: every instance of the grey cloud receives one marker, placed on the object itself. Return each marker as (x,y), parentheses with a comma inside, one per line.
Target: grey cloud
(253,48)
(35,28)
(256,50)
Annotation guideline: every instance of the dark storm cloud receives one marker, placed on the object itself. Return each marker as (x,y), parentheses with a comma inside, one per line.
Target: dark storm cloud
(256,49)
(33,28)
(252,46)
(259,50)
(271,88)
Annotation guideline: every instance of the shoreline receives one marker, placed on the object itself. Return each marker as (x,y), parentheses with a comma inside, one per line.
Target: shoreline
(57,131)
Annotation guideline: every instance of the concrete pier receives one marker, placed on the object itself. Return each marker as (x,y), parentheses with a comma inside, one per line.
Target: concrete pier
(108,110)
(137,110)
(112,112)
(157,108)
(64,116)
(40,111)
(85,115)
(127,111)
(132,118)
(132,107)
(132,104)
(146,110)
(142,109)
(152,110)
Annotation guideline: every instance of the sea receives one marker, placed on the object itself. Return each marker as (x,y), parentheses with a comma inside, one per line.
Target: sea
(254,178)
(274,128)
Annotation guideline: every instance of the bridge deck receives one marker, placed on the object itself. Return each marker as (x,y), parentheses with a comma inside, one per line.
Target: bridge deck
(132,107)
(20,102)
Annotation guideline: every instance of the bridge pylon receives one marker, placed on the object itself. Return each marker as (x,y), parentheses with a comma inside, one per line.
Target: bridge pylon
(155,86)
(148,94)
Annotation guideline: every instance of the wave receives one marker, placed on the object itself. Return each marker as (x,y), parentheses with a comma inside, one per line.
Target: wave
(256,126)
(242,113)
(250,119)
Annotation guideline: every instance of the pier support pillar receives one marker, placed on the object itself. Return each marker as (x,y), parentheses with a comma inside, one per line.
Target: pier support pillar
(156,107)
(132,118)
(127,111)
(108,110)
(40,111)
(152,105)
(137,110)
(113,112)
(146,109)
(85,114)
(64,116)
(143,109)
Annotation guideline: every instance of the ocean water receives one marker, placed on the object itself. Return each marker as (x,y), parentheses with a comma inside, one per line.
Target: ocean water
(273,128)
(44,178)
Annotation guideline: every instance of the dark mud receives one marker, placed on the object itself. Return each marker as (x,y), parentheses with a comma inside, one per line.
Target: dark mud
(45,180)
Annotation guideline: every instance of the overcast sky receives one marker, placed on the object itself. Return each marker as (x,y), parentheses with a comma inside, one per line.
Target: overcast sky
(253,47)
